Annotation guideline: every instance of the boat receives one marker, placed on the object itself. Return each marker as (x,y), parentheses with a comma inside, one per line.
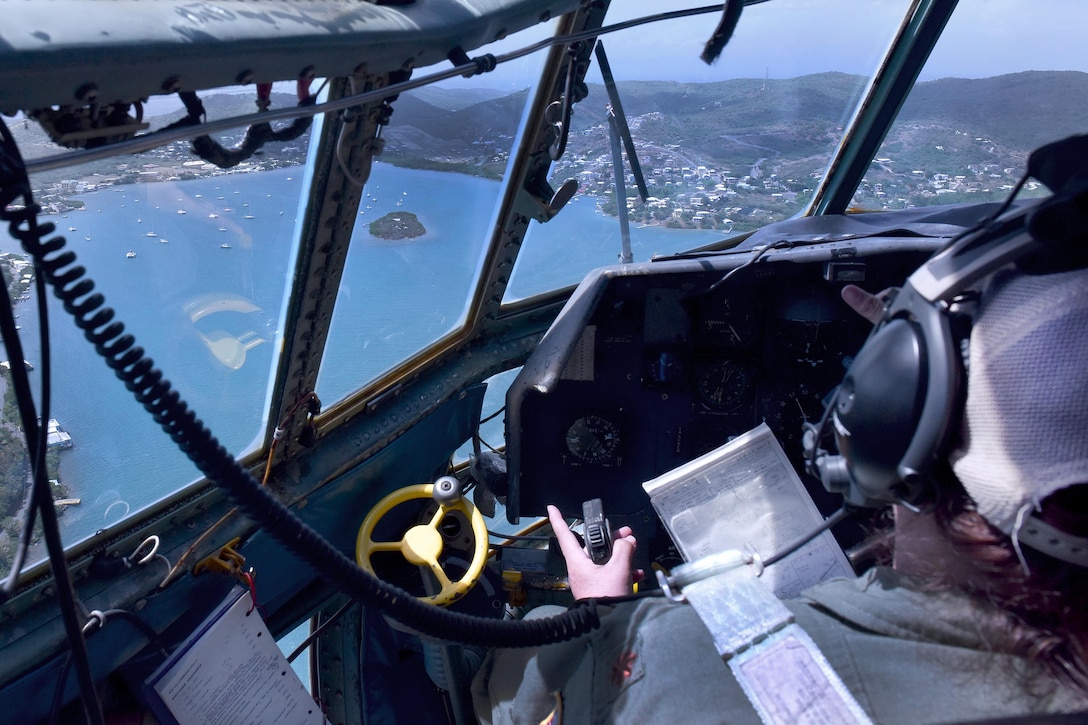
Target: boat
(213,215)
(164,240)
(182,211)
(225,245)
(130,254)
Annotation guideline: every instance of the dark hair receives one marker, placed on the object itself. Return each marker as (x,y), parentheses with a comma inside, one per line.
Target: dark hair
(1038,602)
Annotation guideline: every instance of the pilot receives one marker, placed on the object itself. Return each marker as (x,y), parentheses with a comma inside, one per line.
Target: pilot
(974,618)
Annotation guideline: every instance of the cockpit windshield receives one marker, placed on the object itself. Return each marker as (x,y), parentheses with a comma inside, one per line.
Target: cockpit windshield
(723,149)
(199,261)
(424,221)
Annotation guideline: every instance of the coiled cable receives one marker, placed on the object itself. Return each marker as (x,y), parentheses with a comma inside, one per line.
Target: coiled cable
(148,385)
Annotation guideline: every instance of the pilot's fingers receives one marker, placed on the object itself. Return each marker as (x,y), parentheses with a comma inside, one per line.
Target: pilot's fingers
(621,532)
(568,542)
(869,306)
(623,552)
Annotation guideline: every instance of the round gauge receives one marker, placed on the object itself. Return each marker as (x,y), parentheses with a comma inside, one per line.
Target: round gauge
(728,324)
(723,385)
(593,439)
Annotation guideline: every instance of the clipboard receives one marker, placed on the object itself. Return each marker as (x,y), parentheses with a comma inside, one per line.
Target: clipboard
(230,671)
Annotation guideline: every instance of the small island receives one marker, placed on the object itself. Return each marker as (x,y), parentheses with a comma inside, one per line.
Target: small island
(397,225)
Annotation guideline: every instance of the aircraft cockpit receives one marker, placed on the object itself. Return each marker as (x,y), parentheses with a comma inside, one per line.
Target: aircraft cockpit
(315,308)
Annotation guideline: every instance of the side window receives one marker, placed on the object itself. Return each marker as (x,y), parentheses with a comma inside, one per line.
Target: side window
(195,262)
(966,129)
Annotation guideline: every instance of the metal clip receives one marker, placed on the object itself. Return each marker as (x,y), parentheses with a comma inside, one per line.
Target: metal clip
(705,568)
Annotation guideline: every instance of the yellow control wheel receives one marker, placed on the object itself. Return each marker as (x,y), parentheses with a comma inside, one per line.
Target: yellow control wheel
(422,544)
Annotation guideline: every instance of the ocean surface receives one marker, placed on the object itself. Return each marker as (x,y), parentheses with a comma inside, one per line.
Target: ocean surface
(204,293)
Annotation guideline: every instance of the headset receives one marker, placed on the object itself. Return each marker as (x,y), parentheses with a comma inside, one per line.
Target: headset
(897,412)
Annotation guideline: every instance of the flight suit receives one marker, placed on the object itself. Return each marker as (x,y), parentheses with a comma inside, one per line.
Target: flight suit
(907,656)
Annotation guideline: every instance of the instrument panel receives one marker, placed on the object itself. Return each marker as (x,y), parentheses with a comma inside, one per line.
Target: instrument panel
(649,366)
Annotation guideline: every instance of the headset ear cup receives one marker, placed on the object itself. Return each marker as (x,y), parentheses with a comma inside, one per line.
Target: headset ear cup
(878,407)
(900,405)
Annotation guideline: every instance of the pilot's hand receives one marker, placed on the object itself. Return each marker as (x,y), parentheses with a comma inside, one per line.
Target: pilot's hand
(588,580)
(869,306)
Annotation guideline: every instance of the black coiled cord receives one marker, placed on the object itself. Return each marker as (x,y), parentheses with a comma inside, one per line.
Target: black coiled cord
(256,136)
(154,392)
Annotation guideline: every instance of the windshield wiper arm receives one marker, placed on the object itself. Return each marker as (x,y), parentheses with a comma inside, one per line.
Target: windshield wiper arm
(621,120)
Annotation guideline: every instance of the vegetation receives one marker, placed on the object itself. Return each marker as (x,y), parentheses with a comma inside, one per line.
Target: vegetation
(739,154)
(397,225)
(14,470)
(14,461)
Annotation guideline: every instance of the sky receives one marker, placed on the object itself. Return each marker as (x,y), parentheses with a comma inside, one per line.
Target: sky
(788,38)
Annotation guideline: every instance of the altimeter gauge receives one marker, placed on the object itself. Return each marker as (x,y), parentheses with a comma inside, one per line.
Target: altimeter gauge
(594,439)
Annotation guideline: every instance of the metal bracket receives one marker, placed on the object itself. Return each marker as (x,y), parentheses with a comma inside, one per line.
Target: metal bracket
(225,561)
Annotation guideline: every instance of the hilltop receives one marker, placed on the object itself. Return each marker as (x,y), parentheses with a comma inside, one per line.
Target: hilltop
(795,119)
(734,154)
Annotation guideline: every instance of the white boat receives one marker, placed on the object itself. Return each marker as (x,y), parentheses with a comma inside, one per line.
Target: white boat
(151,234)
(130,254)
(225,245)
(182,211)
(213,215)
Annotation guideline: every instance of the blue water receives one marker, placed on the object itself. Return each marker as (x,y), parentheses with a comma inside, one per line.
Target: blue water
(180,297)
